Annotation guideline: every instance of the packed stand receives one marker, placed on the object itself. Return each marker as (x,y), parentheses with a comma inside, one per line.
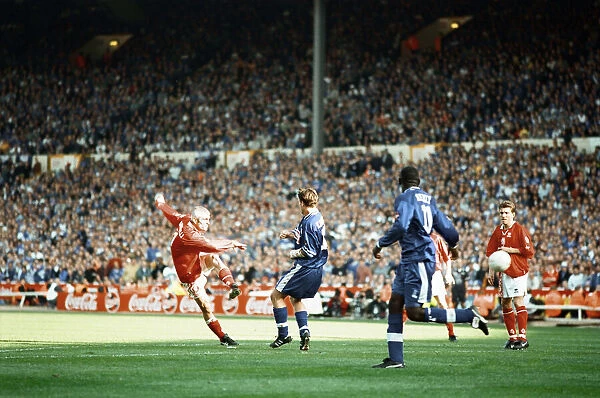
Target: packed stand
(224,83)
(209,76)
(97,223)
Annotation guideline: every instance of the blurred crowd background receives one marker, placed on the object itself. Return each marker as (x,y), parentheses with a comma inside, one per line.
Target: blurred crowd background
(236,75)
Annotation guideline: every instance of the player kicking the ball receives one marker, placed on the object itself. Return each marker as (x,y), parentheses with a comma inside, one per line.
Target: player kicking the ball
(195,257)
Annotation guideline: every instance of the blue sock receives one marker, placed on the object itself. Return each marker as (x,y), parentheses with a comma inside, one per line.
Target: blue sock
(281,316)
(464,315)
(452,315)
(302,320)
(435,314)
(395,340)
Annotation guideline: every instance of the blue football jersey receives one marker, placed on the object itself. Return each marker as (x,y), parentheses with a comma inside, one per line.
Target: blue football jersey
(311,233)
(416,216)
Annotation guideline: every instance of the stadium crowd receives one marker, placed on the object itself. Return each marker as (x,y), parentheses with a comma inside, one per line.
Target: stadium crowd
(225,84)
(208,76)
(96,223)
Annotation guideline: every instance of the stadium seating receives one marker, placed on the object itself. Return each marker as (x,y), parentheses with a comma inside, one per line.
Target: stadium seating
(183,85)
(191,82)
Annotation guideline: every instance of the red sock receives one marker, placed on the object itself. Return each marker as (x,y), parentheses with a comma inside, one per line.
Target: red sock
(522,321)
(510,323)
(226,277)
(215,326)
(450,327)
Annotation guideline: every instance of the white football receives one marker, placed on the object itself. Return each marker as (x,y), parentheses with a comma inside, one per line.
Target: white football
(499,261)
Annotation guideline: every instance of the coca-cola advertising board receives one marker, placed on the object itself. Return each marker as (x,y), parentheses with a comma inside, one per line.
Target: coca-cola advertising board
(161,301)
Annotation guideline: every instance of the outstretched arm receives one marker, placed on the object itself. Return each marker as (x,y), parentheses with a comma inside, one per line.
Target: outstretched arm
(170,214)
(159,198)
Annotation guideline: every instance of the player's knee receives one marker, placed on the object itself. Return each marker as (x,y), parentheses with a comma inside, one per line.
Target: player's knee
(276,296)
(416,314)
(202,304)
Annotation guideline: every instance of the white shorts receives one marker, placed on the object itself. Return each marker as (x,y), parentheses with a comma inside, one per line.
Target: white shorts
(438,288)
(197,290)
(514,287)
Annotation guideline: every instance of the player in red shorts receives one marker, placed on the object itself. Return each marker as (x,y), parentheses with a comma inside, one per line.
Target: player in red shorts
(195,257)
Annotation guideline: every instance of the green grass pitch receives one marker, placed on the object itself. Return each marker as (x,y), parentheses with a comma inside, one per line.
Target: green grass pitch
(47,354)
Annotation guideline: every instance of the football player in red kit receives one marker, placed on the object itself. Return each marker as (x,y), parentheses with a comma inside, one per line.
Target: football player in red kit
(442,277)
(514,239)
(195,257)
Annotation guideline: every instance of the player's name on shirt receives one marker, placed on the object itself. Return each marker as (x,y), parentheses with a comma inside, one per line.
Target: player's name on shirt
(423,198)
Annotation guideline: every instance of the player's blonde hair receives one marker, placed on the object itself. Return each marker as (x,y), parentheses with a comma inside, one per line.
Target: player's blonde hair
(308,197)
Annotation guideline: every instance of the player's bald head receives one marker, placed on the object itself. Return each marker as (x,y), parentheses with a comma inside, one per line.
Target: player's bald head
(201,218)
(200,212)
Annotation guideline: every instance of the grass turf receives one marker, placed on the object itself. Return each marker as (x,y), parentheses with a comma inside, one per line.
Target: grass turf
(62,354)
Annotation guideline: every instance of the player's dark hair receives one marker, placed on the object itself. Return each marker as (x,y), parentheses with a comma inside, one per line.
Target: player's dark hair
(409,177)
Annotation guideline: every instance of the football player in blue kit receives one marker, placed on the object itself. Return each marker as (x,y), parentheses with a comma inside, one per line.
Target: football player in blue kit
(417,215)
(303,280)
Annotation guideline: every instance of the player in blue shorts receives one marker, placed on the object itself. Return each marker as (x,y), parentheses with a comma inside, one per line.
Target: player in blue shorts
(303,280)
(417,215)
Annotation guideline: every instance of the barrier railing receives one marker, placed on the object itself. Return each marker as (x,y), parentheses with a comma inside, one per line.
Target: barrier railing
(253,301)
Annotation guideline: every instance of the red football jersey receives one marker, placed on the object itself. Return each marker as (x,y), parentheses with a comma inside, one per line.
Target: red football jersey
(189,243)
(516,237)
(441,252)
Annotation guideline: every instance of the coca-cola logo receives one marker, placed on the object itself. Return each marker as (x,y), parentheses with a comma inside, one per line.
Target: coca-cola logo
(4,290)
(189,305)
(170,303)
(259,305)
(153,302)
(230,307)
(112,301)
(86,302)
